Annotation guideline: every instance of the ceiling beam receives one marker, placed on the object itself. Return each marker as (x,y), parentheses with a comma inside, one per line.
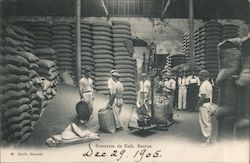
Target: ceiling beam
(165,8)
(105,8)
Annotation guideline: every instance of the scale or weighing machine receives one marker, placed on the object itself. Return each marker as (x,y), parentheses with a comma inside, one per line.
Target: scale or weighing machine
(154,71)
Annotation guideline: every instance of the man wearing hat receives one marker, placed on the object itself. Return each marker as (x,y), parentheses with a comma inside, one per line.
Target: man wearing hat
(204,103)
(86,90)
(116,89)
(169,86)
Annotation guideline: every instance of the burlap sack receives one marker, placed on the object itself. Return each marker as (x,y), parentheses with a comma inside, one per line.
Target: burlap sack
(230,63)
(106,120)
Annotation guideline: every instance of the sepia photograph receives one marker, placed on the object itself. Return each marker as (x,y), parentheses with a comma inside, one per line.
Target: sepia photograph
(124,81)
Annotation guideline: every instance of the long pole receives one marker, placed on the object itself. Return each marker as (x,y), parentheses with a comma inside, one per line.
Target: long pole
(78,40)
(191,31)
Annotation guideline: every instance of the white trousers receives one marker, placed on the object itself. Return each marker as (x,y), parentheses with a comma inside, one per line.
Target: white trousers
(117,108)
(88,97)
(205,112)
(182,97)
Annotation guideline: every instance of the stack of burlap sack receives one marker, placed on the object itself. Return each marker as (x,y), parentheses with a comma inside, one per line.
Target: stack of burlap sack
(103,55)
(123,58)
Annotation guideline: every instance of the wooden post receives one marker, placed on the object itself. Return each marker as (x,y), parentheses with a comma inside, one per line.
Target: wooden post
(191,32)
(78,41)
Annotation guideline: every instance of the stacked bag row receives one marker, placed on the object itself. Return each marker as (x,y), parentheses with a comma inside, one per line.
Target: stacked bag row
(34,86)
(123,59)
(87,56)
(20,38)
(209,37)
(42,32)
(15,97)
(207,56)
(103,55)
(186,46)
(62,42)
(42,38)
(175,59)
(229,31)
(20,97)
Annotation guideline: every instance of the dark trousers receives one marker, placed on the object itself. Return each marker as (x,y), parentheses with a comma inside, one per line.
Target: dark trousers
(192,96)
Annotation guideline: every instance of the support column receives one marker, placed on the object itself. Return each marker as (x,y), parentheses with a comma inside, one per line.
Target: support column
(78,41)
(191,31)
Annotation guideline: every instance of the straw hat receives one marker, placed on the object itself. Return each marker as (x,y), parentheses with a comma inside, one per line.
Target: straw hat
(116,74)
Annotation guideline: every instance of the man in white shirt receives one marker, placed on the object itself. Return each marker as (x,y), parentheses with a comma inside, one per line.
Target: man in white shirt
(169,86)
(145,86)
(86,90)
(116,100)
(182,91)
(205,100)
(193,83)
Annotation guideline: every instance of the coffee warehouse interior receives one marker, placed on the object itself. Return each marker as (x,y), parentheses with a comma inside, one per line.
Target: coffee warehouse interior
(47,44)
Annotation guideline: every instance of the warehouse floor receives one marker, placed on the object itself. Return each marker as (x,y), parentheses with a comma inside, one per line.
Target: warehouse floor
(182,142)
(61,111)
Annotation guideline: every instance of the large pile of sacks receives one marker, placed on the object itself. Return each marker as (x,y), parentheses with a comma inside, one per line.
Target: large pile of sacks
(15,101)
(186,45)
(42,32)
(209,37)
(49,76)
(24,39)
(21,103)
(103,55)
(175,59)
(33,86)
(87,56)
(62,42)
(229,31)
(123,59)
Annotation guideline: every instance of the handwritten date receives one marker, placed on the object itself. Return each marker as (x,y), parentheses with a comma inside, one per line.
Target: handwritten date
(138,156)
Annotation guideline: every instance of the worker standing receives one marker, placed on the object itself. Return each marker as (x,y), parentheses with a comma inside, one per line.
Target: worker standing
(182,92)
(204,105)
(169,86)
(193,83)
(144,88)
(86,91)
(116,100)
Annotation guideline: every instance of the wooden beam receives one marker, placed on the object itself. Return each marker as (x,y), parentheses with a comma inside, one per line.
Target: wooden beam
(78,41)
(105,7)
(191,32)
(165,8)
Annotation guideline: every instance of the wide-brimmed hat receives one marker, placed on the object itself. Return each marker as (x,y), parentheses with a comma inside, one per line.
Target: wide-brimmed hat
(87,71)
(115,74)
(204,73)
(112,71)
